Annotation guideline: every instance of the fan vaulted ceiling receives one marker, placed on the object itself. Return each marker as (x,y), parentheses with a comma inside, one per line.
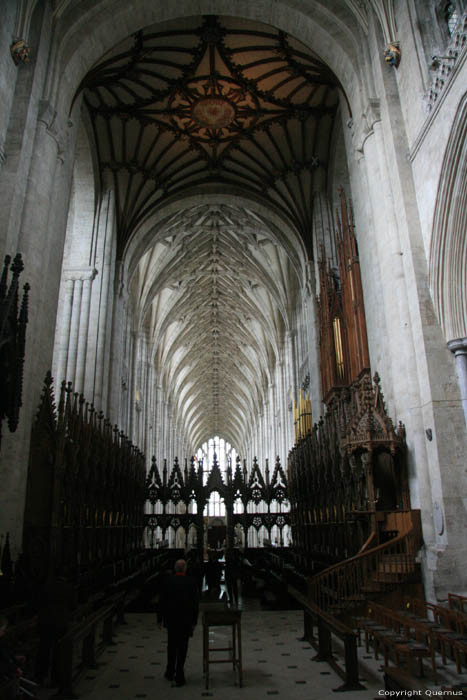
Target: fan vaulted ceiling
(208,105)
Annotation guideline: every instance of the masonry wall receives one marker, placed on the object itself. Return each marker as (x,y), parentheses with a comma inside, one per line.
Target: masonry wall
(394,156)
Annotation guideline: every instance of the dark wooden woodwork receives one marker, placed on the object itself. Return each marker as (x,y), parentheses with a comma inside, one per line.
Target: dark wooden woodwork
(187,487)
(230,104)
(341,312)
(13,321)
(332,330)
(334,477)
(85,492)
(352,292)
(328,626)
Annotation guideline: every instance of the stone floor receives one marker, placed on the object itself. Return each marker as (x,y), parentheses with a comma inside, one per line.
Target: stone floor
(275,663)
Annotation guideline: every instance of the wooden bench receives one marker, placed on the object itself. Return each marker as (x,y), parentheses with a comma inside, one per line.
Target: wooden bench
(448,627)
(457,602)
(79,646)
(398,635)
(327,627)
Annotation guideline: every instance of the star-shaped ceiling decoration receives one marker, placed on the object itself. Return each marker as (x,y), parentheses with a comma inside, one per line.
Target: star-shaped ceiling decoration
(214,101)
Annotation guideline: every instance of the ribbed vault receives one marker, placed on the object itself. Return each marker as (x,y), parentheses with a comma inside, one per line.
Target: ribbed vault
(193,107)
(215,294)
(181,106)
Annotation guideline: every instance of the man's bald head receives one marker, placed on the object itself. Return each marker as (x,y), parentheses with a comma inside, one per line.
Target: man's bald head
(180,566)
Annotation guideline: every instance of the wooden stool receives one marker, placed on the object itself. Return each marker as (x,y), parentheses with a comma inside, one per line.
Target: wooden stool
(223,618)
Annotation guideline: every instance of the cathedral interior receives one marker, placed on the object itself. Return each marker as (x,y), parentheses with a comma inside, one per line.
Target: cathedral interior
(233,321)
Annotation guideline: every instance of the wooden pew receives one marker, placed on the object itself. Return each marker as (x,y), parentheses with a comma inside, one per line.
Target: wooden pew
(448,626)
(398,635)
(457,602)
(80,643)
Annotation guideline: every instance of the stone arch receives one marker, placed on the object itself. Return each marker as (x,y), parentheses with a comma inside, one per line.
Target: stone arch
(448,253)
(84,35)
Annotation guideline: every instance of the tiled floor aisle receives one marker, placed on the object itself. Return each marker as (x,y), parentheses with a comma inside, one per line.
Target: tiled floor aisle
(275,663)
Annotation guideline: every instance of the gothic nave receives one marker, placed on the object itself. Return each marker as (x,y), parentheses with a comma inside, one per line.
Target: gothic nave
(233,327)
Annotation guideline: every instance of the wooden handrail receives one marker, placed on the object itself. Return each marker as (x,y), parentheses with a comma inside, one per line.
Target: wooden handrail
(328,625)
(346,580)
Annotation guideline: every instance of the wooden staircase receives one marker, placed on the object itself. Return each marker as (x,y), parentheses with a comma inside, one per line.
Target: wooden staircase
(375,570)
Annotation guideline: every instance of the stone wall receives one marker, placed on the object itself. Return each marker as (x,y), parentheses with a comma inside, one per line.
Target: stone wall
(393,154)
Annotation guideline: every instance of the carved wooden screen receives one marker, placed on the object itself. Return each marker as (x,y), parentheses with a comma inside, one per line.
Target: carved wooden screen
(335,471)
(85,492)
(192,486)
(13,321)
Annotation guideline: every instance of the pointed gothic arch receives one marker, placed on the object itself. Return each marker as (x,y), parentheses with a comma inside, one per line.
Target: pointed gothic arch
(448,253)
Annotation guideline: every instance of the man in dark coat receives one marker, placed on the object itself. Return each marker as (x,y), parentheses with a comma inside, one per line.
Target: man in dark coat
(179,613)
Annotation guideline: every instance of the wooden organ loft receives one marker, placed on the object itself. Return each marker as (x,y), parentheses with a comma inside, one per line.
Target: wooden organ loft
(353,528)
(343,339)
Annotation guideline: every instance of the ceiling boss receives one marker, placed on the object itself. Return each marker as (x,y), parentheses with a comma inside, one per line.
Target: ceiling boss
(213,112)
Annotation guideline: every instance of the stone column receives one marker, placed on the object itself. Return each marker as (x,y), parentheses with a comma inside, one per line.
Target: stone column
(163,430)
(281,410)
(290,386)
(131,395)
(158,425)
(40,240)
(102,300)
(83,330)
(310,314)
(272,423)
(261,449)
(459,348)
(116,383)
(60,371)
(172,437)
(74,330)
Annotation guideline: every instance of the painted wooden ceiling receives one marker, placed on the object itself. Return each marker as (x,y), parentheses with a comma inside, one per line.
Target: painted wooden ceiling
(209,102)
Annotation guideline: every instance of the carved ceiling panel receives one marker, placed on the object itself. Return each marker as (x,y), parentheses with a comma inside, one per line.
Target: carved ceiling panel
(212,101)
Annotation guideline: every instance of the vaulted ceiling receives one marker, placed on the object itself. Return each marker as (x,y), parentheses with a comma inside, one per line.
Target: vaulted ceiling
(212,101)
(216,292)
(211,105)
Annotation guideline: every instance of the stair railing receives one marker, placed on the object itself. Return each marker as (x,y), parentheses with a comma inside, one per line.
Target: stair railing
(344,583)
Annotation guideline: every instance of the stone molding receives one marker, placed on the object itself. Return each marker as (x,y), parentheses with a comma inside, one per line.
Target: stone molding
(365,127)
(72,274)
(359,10)
(310,279)
(24,12)
(48,116)
(448,246)
(384,10)
(458,346)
